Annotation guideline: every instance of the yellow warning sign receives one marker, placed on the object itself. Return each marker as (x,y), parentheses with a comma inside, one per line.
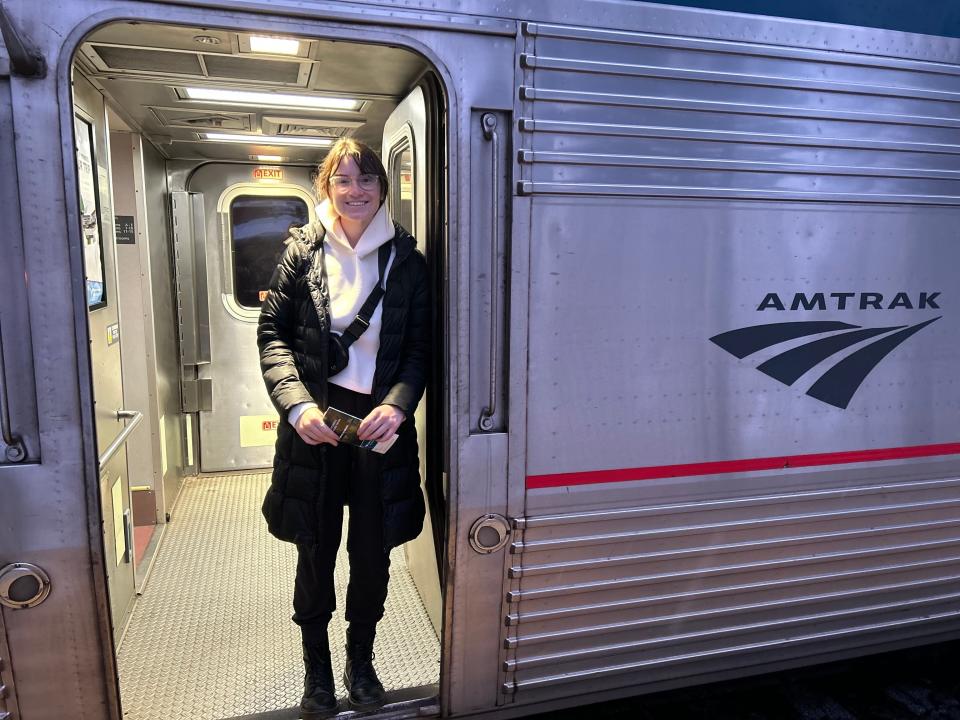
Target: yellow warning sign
(258,430)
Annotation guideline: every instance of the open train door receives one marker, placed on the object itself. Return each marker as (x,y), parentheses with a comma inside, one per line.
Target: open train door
(406,138)
(464,426)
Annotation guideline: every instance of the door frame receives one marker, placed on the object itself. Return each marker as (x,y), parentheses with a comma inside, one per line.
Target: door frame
(396,28)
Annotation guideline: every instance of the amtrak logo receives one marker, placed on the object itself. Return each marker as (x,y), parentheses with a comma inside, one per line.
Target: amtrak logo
(839,383)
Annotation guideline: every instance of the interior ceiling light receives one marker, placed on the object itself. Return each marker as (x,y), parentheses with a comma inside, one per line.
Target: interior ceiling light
(268,139)
(274,45)
(318,102)
(207,39)
(269,158)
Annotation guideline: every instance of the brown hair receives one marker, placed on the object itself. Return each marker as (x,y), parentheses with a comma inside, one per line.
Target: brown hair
(366,159)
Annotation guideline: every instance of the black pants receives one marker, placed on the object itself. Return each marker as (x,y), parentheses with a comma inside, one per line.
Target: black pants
(353,479)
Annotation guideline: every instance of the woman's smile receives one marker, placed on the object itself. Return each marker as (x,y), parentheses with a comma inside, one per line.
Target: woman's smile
(355,204)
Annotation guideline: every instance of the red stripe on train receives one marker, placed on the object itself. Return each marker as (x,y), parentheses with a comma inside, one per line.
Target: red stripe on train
(734,466)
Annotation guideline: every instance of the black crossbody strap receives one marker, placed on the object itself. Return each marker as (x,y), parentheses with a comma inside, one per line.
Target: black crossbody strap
(362,321)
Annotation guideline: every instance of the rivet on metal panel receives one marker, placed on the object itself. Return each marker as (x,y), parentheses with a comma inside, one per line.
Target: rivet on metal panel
(16,452)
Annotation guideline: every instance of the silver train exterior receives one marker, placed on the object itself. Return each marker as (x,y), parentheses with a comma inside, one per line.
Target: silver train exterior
(698,399)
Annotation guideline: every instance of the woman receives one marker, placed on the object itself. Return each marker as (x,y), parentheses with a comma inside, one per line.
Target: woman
(327,272)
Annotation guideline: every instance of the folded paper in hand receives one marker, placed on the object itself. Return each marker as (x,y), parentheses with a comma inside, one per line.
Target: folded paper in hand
(346,426)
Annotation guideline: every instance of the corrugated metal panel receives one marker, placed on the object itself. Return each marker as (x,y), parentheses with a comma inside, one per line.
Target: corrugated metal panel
(633,114)
(639,594)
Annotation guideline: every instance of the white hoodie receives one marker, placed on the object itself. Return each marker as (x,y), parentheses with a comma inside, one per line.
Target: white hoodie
(352,274)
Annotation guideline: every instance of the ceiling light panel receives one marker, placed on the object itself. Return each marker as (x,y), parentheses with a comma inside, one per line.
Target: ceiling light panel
(267,139)
(247,97)
(274,45)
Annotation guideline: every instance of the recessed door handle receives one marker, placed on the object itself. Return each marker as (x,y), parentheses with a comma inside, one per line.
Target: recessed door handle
(14,450)
(489,125)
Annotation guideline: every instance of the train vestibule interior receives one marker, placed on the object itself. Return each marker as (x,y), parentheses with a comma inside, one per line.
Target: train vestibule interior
(196,150)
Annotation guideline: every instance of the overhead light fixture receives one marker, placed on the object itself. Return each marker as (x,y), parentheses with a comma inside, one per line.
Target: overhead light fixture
(267,139)
(274,45)
(207,39)
(247,97)
(269,158)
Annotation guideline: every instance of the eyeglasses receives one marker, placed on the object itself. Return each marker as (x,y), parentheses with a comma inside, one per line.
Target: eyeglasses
(342,183)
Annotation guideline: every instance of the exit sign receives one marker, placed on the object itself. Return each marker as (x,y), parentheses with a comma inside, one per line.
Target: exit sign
(265,173)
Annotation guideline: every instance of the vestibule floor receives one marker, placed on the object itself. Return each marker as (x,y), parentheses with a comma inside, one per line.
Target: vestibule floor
(211,636)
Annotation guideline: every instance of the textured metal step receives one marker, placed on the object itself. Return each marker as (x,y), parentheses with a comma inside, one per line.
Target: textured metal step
(211,637)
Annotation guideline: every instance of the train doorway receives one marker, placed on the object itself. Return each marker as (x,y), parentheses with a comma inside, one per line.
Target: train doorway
(204,144)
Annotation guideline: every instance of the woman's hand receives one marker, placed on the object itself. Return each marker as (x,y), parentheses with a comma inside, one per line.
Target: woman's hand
(381,423)
(312,430)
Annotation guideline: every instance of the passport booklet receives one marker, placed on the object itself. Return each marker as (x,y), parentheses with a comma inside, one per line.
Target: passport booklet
(346,426)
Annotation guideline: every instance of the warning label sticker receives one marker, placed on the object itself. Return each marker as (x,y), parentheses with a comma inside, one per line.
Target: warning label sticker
(258,430)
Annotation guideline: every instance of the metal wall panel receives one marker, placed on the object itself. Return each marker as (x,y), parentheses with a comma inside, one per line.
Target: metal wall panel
(655,592)
(675,182)
(640,284)
(136,353)
(104,324)
(169,434)
(641,114)
(60,651)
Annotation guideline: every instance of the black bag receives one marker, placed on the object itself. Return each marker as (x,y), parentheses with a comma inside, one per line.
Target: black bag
(337,353)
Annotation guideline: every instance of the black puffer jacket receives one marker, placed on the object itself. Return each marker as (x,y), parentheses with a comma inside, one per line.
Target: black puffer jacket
(293,335)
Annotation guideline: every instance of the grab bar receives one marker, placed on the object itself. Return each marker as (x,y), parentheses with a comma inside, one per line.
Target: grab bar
(489,122)
(136,416)
(15,451)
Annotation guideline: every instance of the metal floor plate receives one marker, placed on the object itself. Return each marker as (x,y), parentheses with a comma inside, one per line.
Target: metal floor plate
(211,637)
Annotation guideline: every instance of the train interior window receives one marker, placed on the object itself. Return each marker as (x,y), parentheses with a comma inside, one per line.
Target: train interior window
(257,226)
(199,174)
(402,186)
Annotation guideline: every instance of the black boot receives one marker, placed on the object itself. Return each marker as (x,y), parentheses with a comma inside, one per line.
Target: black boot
(363,686)
(319,695)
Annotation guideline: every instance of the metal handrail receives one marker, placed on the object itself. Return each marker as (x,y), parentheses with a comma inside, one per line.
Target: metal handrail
(489,122)
(136,416)
(15,451)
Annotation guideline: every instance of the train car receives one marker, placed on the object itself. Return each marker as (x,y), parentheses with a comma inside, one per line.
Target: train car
(692,405)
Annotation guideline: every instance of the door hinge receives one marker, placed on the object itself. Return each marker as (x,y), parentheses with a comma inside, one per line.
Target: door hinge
(24,60)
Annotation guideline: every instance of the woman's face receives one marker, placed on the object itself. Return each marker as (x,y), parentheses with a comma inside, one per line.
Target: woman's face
(350,200)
